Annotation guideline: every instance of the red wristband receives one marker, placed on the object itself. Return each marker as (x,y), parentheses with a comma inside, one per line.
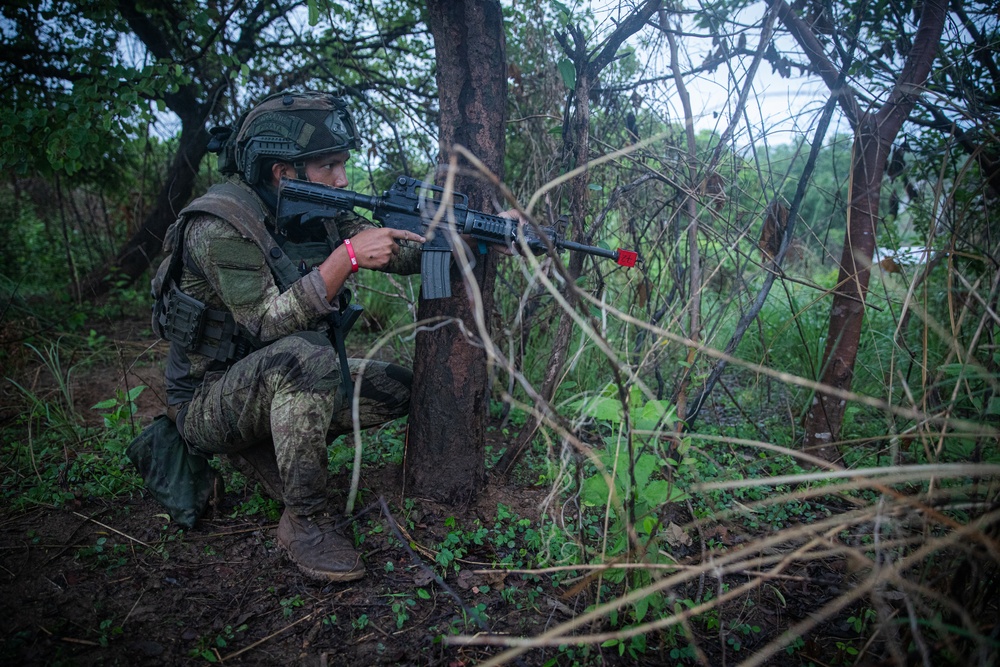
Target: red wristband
(350,252)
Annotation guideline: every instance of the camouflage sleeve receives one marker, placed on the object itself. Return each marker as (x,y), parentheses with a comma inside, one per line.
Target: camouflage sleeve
(407,262)
(236,276)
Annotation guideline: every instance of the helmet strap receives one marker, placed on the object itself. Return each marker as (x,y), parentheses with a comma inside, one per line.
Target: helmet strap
(300,170)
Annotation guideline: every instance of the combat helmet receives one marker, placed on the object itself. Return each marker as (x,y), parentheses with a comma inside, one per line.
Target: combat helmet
(287,126)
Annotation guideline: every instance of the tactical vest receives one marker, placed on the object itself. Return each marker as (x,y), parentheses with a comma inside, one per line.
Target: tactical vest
(189,324)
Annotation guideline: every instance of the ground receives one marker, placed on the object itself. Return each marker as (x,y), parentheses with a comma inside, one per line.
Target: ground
(98,581)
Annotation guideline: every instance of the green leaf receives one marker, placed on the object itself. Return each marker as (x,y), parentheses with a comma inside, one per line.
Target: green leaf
(600,407)
(423,594)
(652,413)
(655,493)
(313,13)
(562,8)
(641,607)
(568,72)
(994,406)
(106,404)
(643,468)
(594,491)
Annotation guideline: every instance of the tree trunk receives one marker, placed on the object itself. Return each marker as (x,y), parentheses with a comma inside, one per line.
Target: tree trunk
(450,398)
(826,414)
(874,134)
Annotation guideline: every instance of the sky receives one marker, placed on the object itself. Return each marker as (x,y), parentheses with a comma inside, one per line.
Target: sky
(783,107)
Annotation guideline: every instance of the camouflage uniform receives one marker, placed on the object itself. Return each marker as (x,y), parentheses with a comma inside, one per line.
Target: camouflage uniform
(288,391)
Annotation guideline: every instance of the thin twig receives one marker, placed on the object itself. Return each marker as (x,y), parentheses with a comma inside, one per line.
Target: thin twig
(113,530)
(266,639)
(419,561)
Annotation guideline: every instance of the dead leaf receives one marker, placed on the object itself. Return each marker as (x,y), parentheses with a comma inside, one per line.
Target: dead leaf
(675,536)
(466,580)
(422,577)
(889,265)
(495,578)
(773,231)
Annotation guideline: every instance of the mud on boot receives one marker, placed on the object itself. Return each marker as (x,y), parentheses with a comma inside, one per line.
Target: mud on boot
(317,549)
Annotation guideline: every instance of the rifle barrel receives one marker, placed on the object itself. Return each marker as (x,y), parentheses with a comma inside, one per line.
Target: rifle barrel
(589,249)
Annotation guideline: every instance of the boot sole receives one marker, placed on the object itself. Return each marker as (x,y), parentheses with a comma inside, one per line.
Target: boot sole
(324,575)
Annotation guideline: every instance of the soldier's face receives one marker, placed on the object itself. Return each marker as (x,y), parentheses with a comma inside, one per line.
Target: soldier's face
(329,169)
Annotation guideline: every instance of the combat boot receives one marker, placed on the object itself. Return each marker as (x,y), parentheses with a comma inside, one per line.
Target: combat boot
(318,550)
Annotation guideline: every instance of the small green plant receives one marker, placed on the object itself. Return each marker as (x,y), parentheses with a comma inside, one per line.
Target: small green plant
(289,605)
(258,504)
(360,623)
(118,414)
(797,644)
(207,648)
(450,549)
(104,555)
(738,634)
(637,475)
(849,651)
(108,631)
(634,646)
(401,607)
(860,622)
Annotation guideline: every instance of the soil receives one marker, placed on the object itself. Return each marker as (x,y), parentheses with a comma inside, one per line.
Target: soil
(114,582)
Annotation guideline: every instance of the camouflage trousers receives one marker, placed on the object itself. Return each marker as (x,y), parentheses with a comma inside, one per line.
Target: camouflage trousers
(289,393)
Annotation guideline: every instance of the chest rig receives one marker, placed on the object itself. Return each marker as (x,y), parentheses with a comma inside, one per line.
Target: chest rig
(189,323)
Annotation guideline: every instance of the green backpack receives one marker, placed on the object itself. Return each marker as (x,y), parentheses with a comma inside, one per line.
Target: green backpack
(182,481)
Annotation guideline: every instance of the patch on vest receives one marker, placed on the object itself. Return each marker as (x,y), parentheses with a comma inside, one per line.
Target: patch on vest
(239,287)
(236,254)
(239,263)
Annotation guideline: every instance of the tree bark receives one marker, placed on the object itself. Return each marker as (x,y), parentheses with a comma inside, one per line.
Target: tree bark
(874,134)
(450,398)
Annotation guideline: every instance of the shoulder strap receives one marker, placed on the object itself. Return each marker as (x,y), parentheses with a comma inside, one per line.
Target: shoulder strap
(243,210)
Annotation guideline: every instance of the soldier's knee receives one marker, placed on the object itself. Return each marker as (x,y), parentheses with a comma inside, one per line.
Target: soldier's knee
(400,374)
(305,362)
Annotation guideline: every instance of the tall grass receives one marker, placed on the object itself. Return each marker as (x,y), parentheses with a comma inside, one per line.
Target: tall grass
(673,532)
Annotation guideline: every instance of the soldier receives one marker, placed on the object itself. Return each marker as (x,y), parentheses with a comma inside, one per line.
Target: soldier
(262,377)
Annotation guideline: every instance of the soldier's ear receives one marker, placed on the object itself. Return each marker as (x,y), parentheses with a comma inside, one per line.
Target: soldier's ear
(281,170)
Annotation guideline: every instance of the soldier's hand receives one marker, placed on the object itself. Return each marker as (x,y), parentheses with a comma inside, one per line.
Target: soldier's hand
(512,248)
(374,248)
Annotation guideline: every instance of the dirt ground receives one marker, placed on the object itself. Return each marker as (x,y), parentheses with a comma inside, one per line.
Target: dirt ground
(101,582)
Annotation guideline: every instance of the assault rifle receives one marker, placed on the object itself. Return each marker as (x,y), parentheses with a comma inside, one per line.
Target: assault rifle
(411,205)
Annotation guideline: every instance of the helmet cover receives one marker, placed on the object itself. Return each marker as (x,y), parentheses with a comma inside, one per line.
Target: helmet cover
(291,127)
